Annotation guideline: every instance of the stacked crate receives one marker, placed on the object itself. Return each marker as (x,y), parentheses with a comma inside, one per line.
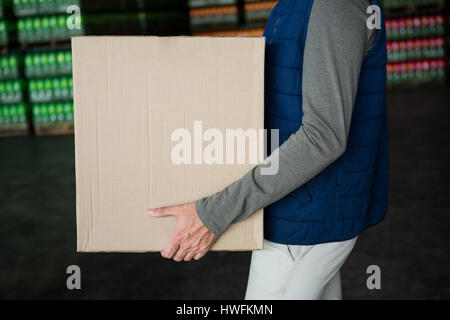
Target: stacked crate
(447,39)
(35,56)
(209,16)
(44,35)
(14,111)
(50,90)
(415,31)
(136,17)
(229,17)
(7,24)
(402,4)
(257,12)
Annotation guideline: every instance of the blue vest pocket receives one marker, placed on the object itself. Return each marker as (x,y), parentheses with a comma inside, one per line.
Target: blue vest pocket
(301,194)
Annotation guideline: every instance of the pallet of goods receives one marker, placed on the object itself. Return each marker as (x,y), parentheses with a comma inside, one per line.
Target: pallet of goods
(35,55)
(416,47)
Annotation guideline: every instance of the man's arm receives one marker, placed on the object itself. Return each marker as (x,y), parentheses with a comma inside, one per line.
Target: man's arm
(337,42)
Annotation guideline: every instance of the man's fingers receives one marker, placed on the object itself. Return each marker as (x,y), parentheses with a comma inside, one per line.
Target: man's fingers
(172,247)
(201,254)
(184,248)
(191,252)
(179,256)
(190,240)
(189,255)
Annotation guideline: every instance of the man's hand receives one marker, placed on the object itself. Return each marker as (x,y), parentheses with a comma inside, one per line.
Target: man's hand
(190,239)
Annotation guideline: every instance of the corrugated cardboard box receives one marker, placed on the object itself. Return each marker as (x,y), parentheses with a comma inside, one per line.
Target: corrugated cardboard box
(130,94)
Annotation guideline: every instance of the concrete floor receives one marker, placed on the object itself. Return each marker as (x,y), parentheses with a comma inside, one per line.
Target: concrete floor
(38,235)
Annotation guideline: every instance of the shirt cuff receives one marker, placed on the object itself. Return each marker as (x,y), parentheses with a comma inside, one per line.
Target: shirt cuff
(207,219)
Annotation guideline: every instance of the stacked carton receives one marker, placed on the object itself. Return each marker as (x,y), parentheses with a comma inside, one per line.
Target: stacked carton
(415,30)
(35,52)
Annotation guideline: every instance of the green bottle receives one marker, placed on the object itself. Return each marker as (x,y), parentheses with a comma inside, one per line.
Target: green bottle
(3,33)
(28,33)
(68,62)
(68,111)
(44,64)
(40,96)
(6,116)
(45,28)
(21,30)
(53,25)
(60,112)
(37,30)
(65,90)
(37,117)
(17,89)
(44,113)
(62,28)
(60,62)
(48,88)
(28,66)
(2,92)
(22,113)
(46,6)
(17,7)
(13,114)
(52,112)
(9,92)
(52,63)
(2,120)
(57,91)
(13,66)
(70,80)
(37,69)
(4,72)
(32,89)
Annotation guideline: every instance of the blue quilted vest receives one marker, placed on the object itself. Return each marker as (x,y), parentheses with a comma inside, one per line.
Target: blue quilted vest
(352,193)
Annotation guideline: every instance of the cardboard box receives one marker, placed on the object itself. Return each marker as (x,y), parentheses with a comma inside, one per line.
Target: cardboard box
(130,94)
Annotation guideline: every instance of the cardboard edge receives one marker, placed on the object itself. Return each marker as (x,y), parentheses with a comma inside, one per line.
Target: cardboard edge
(82,231)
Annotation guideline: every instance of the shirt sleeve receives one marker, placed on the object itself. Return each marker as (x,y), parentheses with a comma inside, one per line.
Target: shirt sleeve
(337,41)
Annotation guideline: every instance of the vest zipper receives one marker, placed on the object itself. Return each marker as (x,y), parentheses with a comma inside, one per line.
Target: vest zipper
(275,26)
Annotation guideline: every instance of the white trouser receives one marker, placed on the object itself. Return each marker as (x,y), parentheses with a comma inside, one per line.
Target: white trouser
(297,272)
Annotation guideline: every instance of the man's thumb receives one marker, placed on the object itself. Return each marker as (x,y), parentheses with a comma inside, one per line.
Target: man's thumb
(160,212)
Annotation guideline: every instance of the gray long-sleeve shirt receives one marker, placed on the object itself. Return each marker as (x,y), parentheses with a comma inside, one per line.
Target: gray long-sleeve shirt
(337,42)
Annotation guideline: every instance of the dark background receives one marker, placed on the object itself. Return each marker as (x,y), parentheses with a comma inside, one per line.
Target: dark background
(38,232)
(411,246)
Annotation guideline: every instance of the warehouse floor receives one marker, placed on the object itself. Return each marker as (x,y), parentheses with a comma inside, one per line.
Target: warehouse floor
(38,234)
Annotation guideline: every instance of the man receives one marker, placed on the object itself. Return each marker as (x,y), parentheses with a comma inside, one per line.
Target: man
(325,79)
